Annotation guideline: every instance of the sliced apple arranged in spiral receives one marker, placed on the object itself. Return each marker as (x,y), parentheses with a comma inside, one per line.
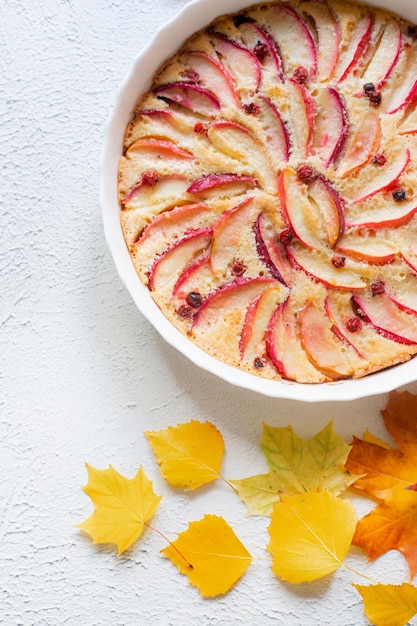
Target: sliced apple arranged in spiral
(267,189)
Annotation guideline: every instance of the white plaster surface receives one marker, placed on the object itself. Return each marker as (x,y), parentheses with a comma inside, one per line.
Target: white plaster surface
(83,375)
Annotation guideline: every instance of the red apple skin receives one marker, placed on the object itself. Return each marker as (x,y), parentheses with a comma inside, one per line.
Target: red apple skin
(385,316)
(366,26)
(322,346)
(168,148)
(187,273)
(394,222)
(276,130)
(271,347)
(215,180)
(329,37)
(252,32)
(217,81)
(390,184)
(177,218)
(239,286)
(363,146)
(334,217)
(271,253)
(310,111)
(392,32)
(189,95)
(242,61)
(201,237)
(337,136)
(305,37)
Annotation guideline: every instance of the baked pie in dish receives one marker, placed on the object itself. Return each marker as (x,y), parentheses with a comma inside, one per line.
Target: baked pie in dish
(267,190)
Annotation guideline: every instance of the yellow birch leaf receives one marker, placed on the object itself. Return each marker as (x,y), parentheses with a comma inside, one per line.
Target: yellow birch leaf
(310,535)
(210,555)
(189,454)
(389,605)
(122,506)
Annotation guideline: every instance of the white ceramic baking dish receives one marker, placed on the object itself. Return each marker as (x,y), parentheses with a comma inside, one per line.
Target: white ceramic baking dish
(167,40)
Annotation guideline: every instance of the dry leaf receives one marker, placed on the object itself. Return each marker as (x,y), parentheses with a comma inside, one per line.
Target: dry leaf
(390,476)
(389,605)
(210,554)
(122,506)
(296,466)
(189,454)
(310,535)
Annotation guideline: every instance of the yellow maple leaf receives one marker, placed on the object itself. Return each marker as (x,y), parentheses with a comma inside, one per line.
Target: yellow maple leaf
(122,506)
(296,466)
(189,455)
(310,535)
(389,605)
(210,555)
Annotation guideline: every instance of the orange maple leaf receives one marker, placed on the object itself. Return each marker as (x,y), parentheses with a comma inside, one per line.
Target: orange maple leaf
(390,476)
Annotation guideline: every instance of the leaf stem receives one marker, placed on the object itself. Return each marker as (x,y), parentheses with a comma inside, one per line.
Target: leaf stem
(354,571)
(173,546)
(228,483)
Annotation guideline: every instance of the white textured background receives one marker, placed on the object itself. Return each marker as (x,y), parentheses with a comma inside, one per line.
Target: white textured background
(83,374)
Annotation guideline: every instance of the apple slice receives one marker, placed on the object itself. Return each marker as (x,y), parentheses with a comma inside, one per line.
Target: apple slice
(363,145)
(302,116)
(227,234)
(318,265)
(190,96)
(240,61)
(331,207)
(238,142)
(404,294)
(157,148)
(362,247)
(270,250)
(342,318)
(287,27)
(196,277)
(331,125)
(329,37)
(386,178)
(154,190)
(229,184)
(171,224)
(277,136)
(301,215)
(284,348)
(229,299)
(214,77)
(258,314)
(331,356)
(263,46)
(172,263)
(402,89)
(385,57)
(392,215)
(358,45)
(409,124)
(387,318)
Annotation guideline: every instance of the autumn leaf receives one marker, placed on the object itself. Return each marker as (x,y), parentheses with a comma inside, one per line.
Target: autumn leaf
(122,506)
(389,605)
(210,555)
(310,535)
(189,454)
(390,475)
(296,466)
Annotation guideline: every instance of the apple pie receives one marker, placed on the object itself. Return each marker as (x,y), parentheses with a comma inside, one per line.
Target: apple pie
(267,189)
